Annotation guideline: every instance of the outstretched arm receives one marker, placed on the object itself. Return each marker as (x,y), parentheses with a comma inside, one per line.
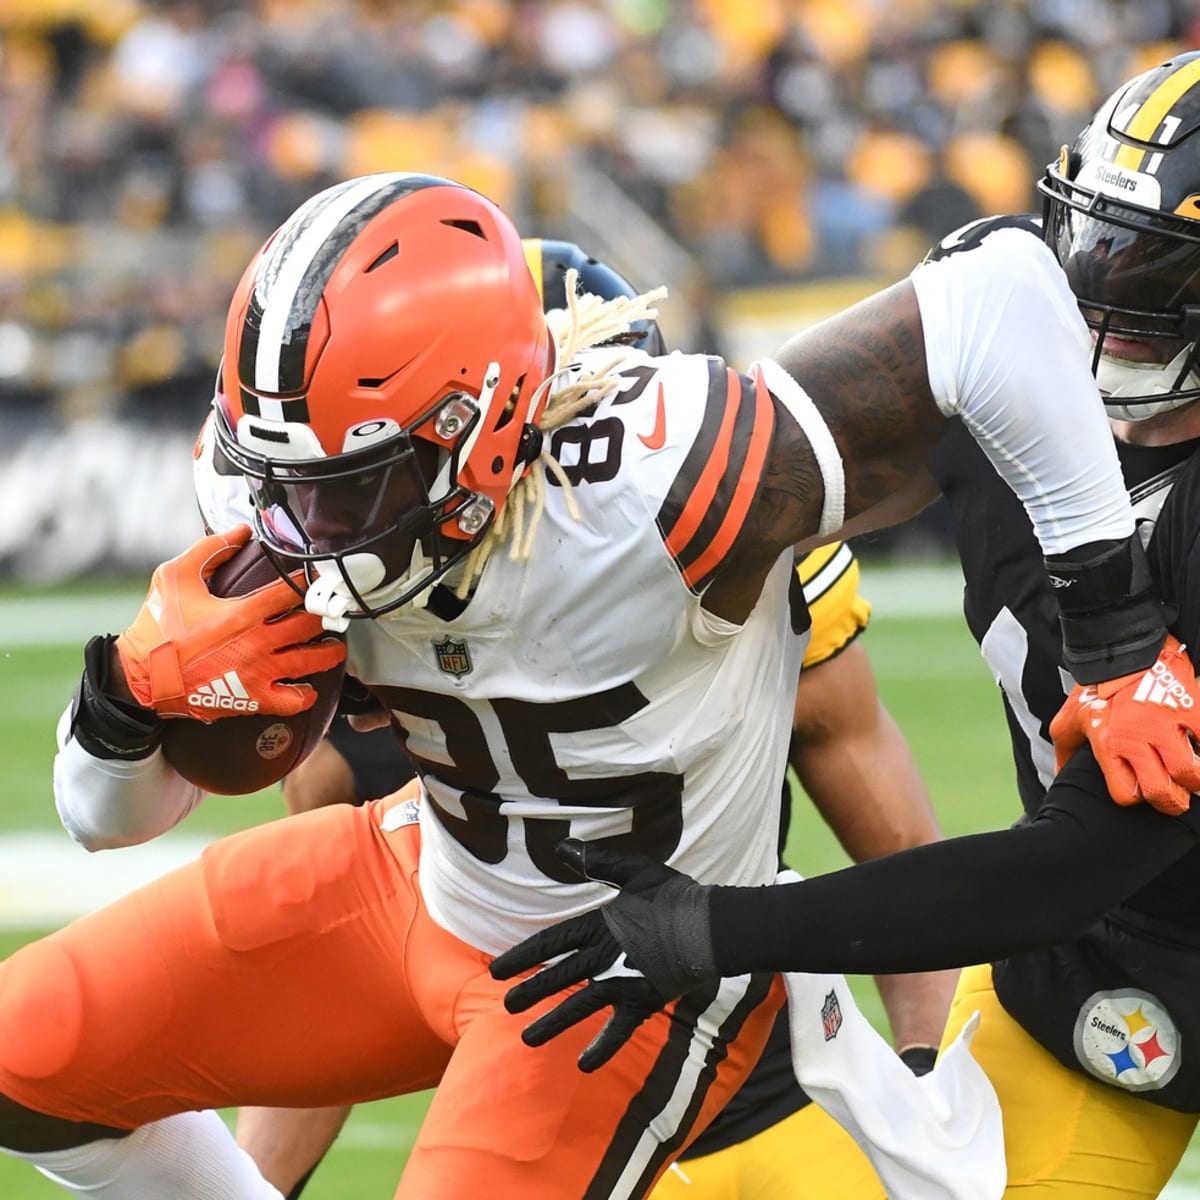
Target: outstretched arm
(963,900)
(994,338)
(864,371)
(960,901)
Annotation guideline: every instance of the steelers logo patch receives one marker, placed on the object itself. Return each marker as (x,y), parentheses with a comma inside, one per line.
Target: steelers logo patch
(1126,1038)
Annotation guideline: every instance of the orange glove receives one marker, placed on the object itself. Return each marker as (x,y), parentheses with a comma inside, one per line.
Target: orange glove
(187,644)
(1143,728)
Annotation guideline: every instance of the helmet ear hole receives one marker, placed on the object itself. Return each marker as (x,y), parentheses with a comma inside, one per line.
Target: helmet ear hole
(510,405)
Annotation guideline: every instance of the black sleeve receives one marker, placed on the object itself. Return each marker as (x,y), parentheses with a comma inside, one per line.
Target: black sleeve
(962,901)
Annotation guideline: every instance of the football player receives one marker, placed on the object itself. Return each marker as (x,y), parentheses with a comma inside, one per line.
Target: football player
(1086,911)
(565,567)
(854,764)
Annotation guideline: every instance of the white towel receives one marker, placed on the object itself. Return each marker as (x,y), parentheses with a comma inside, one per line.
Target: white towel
(934,1137)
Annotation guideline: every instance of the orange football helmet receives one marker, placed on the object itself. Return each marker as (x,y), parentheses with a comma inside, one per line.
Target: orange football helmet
(386,360)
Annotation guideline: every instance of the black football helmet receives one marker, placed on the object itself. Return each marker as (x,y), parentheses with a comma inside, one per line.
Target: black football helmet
(1122,213)
(549,261)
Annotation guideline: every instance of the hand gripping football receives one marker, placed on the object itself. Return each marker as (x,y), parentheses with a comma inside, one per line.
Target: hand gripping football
(241,754)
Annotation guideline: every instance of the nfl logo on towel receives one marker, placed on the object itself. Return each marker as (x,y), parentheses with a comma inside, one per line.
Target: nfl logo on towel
(831,1016)
(452,657)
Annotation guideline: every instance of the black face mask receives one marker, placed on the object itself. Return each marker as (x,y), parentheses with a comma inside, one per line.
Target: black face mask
(372,502)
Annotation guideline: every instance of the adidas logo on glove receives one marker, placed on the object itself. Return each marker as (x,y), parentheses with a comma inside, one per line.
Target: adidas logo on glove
(225,692)
(1159,686)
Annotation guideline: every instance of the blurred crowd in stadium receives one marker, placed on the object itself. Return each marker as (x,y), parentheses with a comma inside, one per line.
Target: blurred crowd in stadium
(148,147)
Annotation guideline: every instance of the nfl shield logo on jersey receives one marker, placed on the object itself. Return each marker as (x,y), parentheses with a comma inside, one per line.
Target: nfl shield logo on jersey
(831,1016)
(453,657)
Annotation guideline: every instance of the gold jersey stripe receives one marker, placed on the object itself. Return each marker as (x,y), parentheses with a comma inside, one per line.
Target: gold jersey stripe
(830,576)
(821,569)
(1149,116)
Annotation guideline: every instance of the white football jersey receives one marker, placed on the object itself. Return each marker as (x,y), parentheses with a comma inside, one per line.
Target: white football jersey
(584,691)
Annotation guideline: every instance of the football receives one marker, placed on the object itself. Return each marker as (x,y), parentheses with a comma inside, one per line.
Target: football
(235,756)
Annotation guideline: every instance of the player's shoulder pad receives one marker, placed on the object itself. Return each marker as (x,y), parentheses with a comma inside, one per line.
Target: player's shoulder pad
(972,235)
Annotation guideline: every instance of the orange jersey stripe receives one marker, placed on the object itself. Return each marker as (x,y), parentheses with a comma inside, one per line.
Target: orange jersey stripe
(705,491)
(744,492)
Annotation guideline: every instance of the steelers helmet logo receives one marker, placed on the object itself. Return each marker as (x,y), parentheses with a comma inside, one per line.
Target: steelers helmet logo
(1126,1038)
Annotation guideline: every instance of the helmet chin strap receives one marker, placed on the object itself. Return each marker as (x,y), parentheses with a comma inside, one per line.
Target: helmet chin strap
(331,597)
(1120,379)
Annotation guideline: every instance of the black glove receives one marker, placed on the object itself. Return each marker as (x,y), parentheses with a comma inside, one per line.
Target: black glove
(644,948)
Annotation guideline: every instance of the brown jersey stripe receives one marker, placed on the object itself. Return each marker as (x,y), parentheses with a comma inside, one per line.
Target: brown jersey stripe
(712,490)
(663,1079)
(705,509)
(756,994)
(683,486)
(754,439)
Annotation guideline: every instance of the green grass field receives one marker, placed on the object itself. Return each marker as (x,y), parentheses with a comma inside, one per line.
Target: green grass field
(929,674)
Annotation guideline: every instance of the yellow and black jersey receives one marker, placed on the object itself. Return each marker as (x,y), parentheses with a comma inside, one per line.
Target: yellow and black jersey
(839,614)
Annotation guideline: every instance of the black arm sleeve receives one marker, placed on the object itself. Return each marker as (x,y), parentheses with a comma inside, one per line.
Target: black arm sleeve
(962,901)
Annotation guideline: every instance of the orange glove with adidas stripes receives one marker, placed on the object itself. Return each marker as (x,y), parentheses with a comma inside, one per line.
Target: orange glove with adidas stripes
(1144,729)
(187,644)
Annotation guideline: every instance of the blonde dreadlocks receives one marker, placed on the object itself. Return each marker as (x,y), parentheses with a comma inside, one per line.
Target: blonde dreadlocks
(588,321)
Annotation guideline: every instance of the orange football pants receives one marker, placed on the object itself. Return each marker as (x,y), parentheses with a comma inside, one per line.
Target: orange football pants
(295,965)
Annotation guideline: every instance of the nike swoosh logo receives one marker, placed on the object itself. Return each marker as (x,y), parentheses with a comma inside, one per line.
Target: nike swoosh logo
(657,437)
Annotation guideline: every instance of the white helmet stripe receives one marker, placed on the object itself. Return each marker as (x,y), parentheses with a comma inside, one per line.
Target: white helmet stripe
(301,252)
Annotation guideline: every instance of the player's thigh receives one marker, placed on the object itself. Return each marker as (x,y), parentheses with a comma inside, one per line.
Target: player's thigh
(805,1156)
(517,1123)
(253,975)
(1065,1135)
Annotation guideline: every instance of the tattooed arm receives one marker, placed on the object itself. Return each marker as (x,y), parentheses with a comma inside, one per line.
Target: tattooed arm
(994,338)
(865,371)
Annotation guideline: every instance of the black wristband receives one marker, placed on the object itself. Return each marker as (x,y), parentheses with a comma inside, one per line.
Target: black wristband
(103,725)
(1112,621)
(919,1059)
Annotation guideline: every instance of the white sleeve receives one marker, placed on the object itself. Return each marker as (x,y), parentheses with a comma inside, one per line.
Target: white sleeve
(107,803)
(1008,352)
